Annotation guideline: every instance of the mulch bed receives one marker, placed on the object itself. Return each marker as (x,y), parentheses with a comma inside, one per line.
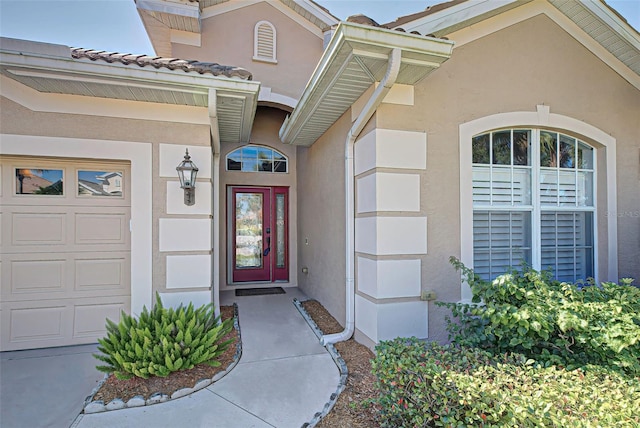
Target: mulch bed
(114,388)
(353,408)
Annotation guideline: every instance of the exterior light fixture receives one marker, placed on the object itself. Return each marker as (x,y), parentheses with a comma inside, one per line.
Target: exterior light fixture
(187,172)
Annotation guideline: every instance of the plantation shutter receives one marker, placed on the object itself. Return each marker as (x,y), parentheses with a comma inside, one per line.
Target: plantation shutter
(501,240)
(567,244)
(265,41)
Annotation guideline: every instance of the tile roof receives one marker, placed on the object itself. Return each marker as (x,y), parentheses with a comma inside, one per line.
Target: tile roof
(428,11)
(365,20)
(161,62)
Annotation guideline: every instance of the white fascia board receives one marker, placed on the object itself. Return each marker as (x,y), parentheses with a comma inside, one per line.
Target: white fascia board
(188,10)
(454,15)
(318,12)
(620,27)
(363,35)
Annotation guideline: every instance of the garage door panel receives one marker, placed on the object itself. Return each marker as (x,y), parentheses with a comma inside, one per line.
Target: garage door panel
(90,320)
(57,276)
(100,274)
(65,259)
(38,229)
(59,322)
(37,324)
(100,228)
(38,276)
(81,229)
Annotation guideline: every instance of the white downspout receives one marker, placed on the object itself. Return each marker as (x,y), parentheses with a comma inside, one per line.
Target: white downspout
(215,201)
(395,58)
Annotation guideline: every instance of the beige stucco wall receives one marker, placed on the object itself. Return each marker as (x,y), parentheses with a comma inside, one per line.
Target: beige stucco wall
(321,218)
(17,119)
(530,63)
(264,133)
(227,39)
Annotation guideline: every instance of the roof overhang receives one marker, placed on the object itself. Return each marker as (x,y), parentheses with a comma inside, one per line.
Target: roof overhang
(160,17)
(49,68)
(593,17)
(357,57)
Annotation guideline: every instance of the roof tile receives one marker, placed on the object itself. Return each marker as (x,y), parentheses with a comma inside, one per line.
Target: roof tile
(162,62)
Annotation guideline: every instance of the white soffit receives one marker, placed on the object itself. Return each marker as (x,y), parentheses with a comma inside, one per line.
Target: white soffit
(356,57)
(593,16)
(611,32)
(306,9)
(184,16)
(46,73)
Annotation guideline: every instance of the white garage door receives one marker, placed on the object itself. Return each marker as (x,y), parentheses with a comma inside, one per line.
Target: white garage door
(65,258)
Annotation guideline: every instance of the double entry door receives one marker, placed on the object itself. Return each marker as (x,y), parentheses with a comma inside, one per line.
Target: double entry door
(259,233)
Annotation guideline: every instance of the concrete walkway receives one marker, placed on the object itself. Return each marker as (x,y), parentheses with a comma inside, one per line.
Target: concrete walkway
(283,378)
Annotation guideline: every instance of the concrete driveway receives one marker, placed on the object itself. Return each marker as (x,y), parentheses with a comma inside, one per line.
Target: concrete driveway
(46,387)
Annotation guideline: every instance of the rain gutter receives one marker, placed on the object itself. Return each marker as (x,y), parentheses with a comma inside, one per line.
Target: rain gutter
(393,69)
(215,201)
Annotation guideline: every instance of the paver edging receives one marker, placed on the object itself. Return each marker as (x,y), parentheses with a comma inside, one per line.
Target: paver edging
(337,359)
(99,406)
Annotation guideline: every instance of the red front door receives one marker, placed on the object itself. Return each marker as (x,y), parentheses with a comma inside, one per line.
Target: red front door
(259,240)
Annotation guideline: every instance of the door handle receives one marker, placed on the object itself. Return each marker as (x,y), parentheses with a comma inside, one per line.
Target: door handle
(268,249)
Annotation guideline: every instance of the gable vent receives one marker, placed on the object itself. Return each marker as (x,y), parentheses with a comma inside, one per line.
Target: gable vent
(264,43)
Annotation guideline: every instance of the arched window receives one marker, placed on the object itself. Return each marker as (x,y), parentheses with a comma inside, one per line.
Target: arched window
(264,42)
(257,159)
(533,201)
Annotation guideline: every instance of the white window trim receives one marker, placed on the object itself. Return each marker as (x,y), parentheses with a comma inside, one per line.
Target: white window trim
(256,57)
(542,118)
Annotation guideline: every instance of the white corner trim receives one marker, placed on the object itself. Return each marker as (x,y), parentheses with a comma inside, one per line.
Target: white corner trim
(537,119)
(139,154)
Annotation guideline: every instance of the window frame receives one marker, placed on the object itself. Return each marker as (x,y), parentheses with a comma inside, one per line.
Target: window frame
(273,151)
(536,208)
(606,269)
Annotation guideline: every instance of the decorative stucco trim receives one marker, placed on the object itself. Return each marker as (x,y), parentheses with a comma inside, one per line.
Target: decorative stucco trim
(541,118)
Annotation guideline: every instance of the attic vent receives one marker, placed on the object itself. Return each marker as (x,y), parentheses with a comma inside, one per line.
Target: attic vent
(264,43)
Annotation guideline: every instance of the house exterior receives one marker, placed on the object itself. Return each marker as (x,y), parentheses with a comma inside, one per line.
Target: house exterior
(351,160)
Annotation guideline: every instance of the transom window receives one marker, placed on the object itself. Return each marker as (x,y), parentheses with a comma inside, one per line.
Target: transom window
(257,159)
(533,202)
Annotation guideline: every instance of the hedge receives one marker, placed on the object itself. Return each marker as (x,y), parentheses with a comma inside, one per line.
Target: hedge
(428,385)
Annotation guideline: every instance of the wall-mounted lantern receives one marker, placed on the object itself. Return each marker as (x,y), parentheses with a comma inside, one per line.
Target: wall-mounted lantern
(187,172)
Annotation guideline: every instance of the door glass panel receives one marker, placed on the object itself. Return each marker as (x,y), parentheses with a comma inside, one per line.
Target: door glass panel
(39,181)
(248,230)
(280,235)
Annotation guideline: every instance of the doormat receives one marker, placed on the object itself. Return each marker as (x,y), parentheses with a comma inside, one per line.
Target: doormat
(259,291)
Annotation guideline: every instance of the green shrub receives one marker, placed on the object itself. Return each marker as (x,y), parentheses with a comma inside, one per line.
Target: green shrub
(162,341)
(425,384)
(550,321)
